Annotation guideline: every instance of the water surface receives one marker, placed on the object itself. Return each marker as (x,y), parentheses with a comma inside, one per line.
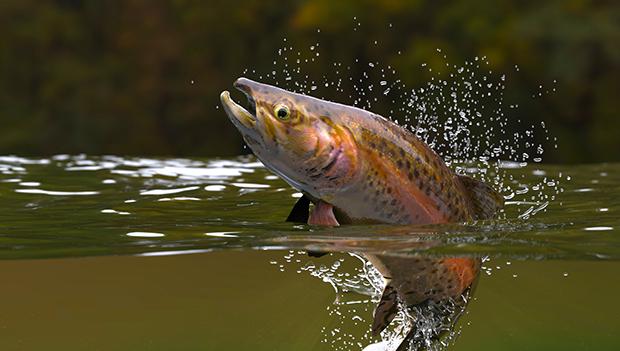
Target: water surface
(194,255)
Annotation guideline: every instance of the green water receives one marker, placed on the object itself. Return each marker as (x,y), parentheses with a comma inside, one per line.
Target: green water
(118,253)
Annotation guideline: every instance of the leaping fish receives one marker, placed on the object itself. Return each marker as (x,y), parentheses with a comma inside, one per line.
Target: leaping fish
(356,166)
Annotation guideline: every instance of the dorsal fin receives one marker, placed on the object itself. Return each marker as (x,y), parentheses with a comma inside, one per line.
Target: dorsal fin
(485,200)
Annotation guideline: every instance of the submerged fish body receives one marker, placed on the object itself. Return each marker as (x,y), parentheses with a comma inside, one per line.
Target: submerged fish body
(358,167)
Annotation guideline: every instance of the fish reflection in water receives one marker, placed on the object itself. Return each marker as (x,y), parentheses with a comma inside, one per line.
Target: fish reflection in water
(423,295)
(357,167)
(435,292)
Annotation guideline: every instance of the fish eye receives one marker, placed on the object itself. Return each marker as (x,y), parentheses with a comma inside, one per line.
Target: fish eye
(282,112)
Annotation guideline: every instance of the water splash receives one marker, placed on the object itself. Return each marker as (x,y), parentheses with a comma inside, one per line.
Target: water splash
(462,114)
(358,289)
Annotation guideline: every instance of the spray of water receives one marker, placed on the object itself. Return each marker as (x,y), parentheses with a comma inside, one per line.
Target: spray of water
(461,112)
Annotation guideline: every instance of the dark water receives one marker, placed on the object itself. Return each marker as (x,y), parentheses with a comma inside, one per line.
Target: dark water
(118,253)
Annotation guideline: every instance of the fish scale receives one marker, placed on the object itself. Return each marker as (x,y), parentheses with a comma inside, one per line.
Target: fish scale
(435,182)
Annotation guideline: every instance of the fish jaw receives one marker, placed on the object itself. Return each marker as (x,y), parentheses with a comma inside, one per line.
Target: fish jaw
(241,118)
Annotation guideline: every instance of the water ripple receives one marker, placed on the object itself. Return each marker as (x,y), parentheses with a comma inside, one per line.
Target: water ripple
(56,193)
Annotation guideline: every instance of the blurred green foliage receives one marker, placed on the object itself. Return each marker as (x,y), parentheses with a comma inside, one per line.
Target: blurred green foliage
(116,76)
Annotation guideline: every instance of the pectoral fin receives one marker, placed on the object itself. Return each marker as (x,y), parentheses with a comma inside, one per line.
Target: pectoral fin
(486,201)
(301,211)
(301,214)
(386,309)
(323,214)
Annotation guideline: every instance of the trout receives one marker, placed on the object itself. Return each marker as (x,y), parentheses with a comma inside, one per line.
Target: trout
(355,166)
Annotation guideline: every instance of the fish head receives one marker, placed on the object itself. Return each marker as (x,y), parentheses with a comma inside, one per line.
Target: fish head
(297,137)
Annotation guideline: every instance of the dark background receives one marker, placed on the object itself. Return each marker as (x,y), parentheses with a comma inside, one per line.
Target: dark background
(115,77)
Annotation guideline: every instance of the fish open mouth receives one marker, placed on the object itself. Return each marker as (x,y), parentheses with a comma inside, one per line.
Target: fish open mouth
(237,113)
(243,85)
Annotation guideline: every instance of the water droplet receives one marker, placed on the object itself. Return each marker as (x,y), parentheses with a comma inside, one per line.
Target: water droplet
(145,234)
(598,229)
(215,187)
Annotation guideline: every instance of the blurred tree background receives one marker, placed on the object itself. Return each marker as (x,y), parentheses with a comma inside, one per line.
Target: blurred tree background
(141,77)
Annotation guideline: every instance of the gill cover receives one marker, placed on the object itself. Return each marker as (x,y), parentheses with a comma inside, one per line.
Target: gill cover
(298,137)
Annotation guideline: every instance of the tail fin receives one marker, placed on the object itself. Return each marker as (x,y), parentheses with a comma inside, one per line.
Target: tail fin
(434,323)
(386,309)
